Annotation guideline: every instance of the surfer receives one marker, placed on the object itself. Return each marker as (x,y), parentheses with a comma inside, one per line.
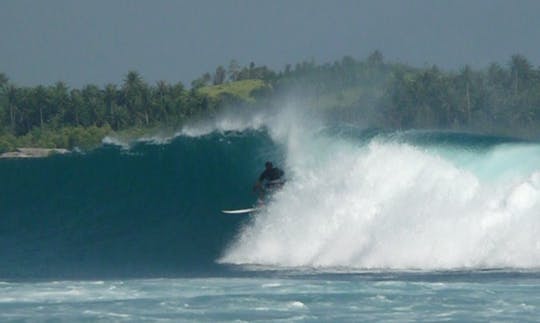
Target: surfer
(270,180)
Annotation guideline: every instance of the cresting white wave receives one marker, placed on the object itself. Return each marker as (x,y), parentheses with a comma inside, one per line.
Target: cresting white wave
(386,204)
(391,205)
(227,121)
(224,123)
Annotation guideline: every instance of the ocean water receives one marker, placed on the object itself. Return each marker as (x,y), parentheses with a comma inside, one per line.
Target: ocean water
(370,296)
(371,225)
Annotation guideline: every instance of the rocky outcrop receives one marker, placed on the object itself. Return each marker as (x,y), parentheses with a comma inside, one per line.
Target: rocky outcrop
(33,152)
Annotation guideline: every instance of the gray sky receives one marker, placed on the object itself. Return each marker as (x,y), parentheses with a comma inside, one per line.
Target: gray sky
(98,41)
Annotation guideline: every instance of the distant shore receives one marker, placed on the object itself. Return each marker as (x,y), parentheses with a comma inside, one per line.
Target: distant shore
(28,152)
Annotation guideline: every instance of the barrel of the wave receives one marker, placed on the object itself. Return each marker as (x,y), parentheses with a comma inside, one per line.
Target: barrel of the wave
(271,180)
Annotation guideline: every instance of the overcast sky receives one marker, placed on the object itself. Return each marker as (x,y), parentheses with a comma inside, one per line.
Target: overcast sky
(98,41)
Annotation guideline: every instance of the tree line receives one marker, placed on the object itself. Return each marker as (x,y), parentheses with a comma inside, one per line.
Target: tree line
(497,99)
(57,116)
(134,103)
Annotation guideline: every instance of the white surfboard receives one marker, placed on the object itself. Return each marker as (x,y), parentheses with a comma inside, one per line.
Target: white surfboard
(241,211)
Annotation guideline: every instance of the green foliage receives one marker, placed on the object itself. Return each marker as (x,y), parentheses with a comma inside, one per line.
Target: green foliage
(7,143)
(219,75)
(67,137)
(244,91)
(502,99)
(57,116)
(495,100)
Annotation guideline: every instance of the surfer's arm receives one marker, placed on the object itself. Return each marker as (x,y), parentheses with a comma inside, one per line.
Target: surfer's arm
(257,186)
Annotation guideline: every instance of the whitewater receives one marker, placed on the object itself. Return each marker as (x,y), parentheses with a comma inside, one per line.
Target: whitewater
(413,200)
(371,225)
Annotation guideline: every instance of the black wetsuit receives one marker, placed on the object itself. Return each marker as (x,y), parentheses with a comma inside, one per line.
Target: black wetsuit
(272,176)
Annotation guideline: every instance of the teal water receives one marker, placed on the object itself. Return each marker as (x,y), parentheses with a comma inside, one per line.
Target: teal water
(370,226)
(404,297)
(152,210)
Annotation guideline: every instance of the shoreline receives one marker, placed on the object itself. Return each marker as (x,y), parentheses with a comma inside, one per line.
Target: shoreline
(31,152)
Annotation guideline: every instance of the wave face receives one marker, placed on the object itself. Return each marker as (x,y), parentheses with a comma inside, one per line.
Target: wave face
(151,210)
(354,199)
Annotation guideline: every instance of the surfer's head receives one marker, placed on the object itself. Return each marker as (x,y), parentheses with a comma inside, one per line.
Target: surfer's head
(268,165)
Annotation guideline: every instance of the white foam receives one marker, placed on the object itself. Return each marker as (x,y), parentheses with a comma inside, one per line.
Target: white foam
(226,122)
(297,304)
(115,141)
(393,205)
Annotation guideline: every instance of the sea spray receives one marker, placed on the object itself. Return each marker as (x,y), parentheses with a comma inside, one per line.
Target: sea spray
(394,204)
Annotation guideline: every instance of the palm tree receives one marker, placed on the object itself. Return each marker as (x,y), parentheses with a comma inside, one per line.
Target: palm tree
(110,96)
(76,102)
(93,106)
(234,69)
(219,76)
(11,94)
(179,100)
(3,98)
(4,80)
(133,91)
(465,81)
(160,100)
(42,101)
(59,101)
(521,71)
